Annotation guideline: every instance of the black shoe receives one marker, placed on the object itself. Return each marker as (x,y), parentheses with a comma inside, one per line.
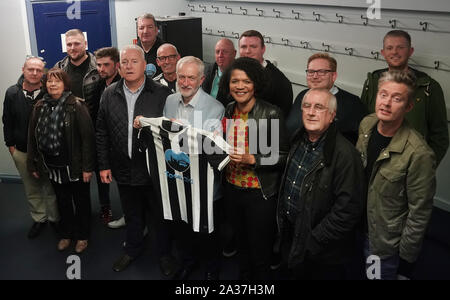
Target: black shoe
(35,229)
(212,275)
(122,263)
(168,266)
(184,272)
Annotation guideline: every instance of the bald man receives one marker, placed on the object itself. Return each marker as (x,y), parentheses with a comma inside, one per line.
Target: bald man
(225,54)
(167,58)
(19,101)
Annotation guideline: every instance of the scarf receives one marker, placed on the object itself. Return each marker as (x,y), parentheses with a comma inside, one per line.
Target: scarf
(50,124)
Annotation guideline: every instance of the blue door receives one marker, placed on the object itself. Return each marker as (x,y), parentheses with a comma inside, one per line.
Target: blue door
(53,18)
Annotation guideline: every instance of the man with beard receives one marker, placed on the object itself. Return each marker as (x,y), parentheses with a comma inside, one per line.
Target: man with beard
(80,65)
(429,114)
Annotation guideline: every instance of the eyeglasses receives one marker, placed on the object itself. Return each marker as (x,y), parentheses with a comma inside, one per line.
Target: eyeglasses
(317,107)
(169,57)
(321,72)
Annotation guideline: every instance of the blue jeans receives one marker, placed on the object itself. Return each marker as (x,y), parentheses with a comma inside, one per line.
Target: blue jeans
(389,265)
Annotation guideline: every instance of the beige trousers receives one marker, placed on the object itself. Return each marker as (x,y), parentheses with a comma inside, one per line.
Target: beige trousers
(39,192)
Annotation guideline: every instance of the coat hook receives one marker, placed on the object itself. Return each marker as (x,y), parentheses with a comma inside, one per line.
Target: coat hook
(244,10)
(317,16)
(207,29)
(304,44)
(278,13)
(327,47)
(393,23)
(424,25)
(235,34)
(230,9)
(340,18)
(216,8)
(269,39)
(436,64)
(375,54)
(191,6)
(260,12)
(221,32)
(297,14)
(203,7)
(349,50)
(286,41)
(366,20)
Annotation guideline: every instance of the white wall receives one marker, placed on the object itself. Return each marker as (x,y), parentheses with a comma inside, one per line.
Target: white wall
(13,53)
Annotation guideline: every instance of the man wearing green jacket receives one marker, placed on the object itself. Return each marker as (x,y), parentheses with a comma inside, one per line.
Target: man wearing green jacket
(400,171)
(429,114)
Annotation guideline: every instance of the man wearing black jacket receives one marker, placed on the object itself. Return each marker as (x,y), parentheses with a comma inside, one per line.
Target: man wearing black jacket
(19,101)
(322,73)
(149,41)
(224,54)
(320,204)
(117,149)
(279,89)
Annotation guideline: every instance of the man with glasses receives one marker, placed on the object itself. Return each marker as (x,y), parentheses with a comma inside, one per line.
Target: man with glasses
(320,204)
(322,73)
(19,101)
(167,58)
(429,114)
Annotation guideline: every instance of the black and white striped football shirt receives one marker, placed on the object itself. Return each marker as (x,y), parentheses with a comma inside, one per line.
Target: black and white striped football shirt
(183,158)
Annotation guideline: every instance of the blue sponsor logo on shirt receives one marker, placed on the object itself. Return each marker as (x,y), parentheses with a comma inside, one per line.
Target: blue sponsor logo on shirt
(178,161)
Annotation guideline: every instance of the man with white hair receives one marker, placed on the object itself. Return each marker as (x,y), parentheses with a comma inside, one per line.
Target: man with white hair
(320,204)
(193,106)
(117,149)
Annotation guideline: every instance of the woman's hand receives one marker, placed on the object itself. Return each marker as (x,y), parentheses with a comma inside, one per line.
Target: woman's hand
(87,176)
(242,158)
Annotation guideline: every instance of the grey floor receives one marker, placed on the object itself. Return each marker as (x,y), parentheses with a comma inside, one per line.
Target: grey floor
(21,258)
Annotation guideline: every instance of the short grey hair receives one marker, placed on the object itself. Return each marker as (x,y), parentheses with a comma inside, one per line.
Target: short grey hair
(402,77)
(332,102)
(132,47)
(147,16)
(192,60)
